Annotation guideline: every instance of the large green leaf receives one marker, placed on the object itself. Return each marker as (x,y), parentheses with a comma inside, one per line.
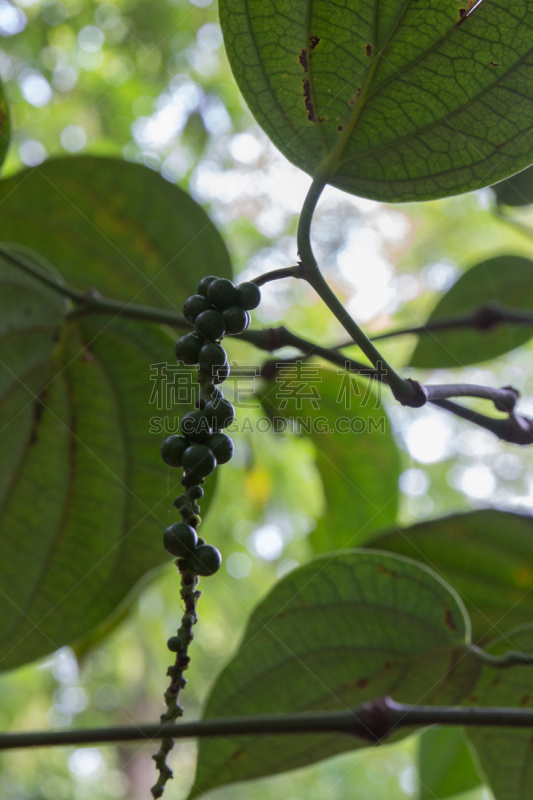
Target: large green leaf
(5,127)
(401,99)
(516,191)
(506,754)
(84,495)
(335,633)
(445,765)
(114,226)
(506,280)
(486,556)
(356,453)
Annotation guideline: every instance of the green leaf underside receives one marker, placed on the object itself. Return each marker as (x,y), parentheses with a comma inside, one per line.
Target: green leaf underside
(114,226)
(506,754)
(504,280)
(361,492)
(414,101)
(516,191)
(84,495)
(445,764)
(485,555)
(337,632)
(5,127)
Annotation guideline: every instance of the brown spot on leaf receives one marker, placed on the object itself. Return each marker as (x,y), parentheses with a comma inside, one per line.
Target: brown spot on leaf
(474,699)
(386,571)
(494,64)
(339,128)
(315,41)
(524,700)
(238,754)
(462,13)
(309,103)
(87,356)
(361,683)
(302,58)
(449,620)
(369,50)
(387,665)
(355,96)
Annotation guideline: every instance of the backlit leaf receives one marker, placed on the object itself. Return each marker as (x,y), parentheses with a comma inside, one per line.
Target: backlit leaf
(335,633)
(506,281)
(397,99)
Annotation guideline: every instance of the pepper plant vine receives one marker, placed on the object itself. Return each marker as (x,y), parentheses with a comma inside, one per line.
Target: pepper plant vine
(373,99)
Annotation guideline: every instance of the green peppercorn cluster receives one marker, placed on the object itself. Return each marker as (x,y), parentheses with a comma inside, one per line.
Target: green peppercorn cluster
(219,308)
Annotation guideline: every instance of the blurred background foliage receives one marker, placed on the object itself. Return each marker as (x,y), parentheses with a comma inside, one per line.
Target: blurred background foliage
(149,82)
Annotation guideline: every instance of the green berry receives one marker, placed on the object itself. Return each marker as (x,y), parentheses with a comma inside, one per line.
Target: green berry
(195,426)
(210,324)
(180,539)
(174,644)
(193,520)
(247,296)
(220,374)
(203,286)
(206,560)
(194,305)
(222,447)
(191,480)
(236,319)
(180,501)
(221,293)
(173,449)
(195,492)
(220,414)
(211,355)
(198,461)
(188,348)
(199,401)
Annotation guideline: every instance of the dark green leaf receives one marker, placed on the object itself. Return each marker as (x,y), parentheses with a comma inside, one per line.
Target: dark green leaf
(399,99)
(114,226)
(505,280)
(516,191)
(355,451)
(335,633)
(505,754)
(485,555)
(84,495)
(445,765)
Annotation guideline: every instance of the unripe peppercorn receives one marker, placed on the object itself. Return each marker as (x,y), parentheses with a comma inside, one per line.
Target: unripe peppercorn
(195,427)
(236,320)
(206,560)
(222,447)
(188,348)
(174,644)
(180,539)
(194,305)
(210,324)
(203,286)
(221,293)
(211,355)
(173,449)
(195,492)
(220,414)
(220,374)
(198,461)
(247,296)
